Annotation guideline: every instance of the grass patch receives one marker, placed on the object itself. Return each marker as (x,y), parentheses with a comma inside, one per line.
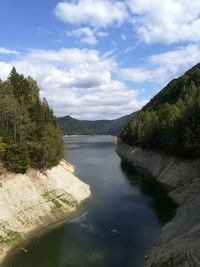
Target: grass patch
(58,200)
(13,238)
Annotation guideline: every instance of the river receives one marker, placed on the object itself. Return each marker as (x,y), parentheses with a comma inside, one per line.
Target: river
(116,227)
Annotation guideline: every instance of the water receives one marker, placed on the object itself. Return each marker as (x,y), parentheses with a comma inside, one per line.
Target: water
(117,226)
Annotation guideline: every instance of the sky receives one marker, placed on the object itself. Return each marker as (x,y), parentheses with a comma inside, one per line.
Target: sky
(99,59)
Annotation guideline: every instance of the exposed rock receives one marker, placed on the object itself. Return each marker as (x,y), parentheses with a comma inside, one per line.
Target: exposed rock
(33,201)
(180,238)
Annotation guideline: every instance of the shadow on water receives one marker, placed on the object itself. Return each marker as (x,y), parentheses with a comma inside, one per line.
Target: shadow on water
(162,204)
(118,226)
(40,254)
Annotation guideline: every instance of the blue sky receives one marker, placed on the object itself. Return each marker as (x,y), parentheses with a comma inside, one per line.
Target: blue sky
(96,59)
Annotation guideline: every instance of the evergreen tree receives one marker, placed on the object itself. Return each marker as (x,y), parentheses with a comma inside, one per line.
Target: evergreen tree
(29,133)
(170,122)
(2,146)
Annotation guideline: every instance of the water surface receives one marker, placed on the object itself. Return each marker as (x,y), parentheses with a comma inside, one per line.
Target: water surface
(117,226)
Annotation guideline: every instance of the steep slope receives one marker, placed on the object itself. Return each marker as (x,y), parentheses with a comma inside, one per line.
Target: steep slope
(30,203)
(176,89)
(164,141)
(70,125)
(179,238)
(170,122)
(37,187)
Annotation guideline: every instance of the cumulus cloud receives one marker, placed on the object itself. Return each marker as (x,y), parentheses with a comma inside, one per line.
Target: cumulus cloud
(87,35)
(157,74)
(163,67)
(173,63)
(166,21)
(98,13)
(5,69)
(182,56)
(6,51)
(77,82)
(136,74)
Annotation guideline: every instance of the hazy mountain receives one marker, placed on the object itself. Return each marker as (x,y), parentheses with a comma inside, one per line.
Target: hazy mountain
(71,126)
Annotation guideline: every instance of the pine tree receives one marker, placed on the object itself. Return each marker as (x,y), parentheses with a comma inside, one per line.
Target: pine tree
(170,122)
(29,133)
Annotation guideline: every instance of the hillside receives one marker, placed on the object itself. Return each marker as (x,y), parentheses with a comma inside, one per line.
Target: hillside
(178,89)
(29,136)
(72,126)
(170,122)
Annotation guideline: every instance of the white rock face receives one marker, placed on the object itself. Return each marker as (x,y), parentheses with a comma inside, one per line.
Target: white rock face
(180,238)
(167,170)
(33,201)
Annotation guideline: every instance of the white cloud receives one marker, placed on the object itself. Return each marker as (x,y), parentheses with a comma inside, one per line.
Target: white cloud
(163,67)
(136,74)
(6,51)
(5,69)
(155,21)
(182,56)
(101,34)
(123,36)
(174,63)
(158,74)
(166,21)
(131,48)
(98,13)
(77,82)
(65,56)
(87,35)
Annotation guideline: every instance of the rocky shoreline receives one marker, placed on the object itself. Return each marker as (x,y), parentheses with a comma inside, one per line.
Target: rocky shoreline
(180,238)
(33,202)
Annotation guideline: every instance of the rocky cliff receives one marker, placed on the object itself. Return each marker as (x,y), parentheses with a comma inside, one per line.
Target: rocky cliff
(180,238)
(31,202)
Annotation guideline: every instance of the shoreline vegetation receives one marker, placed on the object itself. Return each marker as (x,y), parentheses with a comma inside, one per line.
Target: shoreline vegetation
(35,203)
(36,234)
(73,126)
(37,187)
(170,122)
(164,139)
(31,237)
(29,135)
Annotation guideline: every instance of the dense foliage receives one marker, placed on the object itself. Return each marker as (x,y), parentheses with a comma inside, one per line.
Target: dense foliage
(29,136)
(170,122)
(71,126)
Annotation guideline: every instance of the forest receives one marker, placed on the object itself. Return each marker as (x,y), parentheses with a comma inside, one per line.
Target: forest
(29,135)
(170,122)
(72,126)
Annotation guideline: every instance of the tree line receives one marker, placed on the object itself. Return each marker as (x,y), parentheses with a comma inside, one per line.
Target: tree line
(29,136)
(170,122)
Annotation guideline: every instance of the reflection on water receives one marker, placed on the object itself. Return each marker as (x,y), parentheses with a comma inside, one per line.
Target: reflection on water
(163,206)
(39,252)
(117,226)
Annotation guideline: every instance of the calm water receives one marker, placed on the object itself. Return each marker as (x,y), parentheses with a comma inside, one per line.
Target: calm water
(116,227)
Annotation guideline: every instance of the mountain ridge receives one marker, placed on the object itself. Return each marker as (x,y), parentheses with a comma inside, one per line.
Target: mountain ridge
(72,126)
(170,121)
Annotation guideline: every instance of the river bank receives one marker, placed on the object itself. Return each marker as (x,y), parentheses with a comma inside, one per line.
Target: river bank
(35,202)
(180,238)
(119,224)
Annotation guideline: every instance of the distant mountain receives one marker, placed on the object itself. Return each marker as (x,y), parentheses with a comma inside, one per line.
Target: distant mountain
(73,126)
